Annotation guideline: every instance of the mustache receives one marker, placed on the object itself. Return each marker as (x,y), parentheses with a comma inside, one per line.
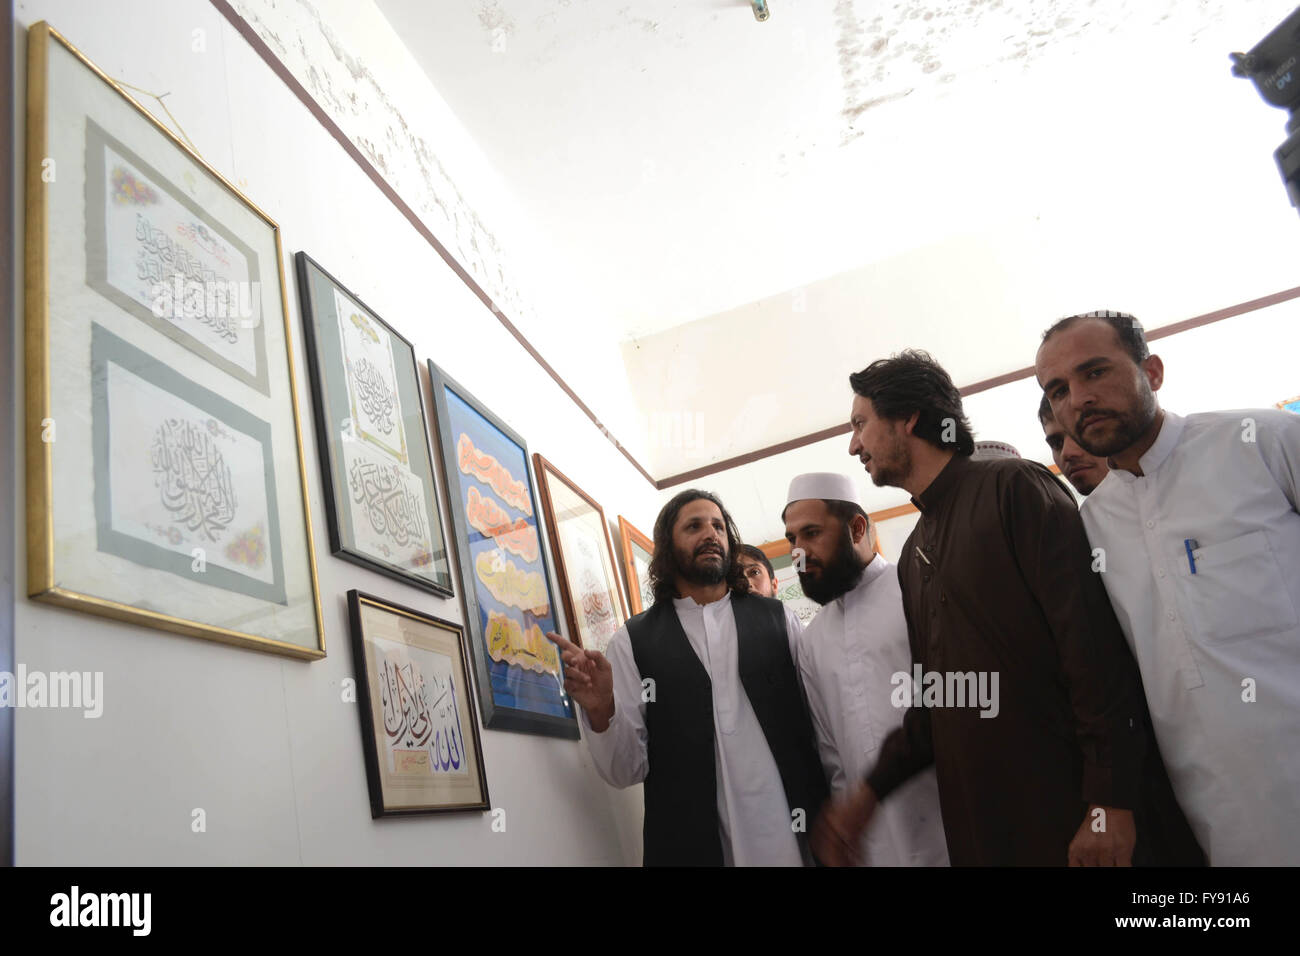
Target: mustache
(709,549)
(1096,415)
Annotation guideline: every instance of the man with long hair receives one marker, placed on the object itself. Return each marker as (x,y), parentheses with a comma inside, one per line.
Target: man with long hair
(699,699)
(1023,696)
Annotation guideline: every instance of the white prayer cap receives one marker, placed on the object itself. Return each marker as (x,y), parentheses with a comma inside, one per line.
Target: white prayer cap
(827,485)
(986,450)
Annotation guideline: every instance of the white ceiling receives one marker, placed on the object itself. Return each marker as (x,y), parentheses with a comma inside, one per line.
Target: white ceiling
(778,203)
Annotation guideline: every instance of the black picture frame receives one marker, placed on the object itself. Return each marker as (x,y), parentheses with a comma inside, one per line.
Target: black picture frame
(503,684)
(330,400)
(386,789)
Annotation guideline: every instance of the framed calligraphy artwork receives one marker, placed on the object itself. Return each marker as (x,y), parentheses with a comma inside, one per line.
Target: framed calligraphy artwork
(418,729)
(584,558)
(370,427)
(165,478)
(505,582)
(638,551)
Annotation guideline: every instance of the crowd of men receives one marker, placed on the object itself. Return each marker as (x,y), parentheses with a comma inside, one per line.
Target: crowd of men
(1034,683)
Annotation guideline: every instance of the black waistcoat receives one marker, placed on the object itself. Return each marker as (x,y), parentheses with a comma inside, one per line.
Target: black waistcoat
(681,796)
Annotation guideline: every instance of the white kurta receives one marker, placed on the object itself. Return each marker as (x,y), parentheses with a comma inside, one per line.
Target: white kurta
(847,658)
(756,825)
(1226,485)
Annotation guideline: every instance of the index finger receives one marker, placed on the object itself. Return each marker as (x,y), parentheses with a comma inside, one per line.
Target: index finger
(563,643)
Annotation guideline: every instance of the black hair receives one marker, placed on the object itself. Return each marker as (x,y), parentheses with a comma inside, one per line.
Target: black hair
(1045,413)
(663,566)
(1127,328)
(756,554)
(912,381)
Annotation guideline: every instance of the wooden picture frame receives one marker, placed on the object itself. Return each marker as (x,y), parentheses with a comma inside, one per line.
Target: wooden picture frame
(584,558)
(381,498)
(637,550)
(418,727)
(505,579)
(159,354)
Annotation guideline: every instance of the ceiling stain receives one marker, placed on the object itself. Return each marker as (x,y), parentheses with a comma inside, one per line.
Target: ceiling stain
(495,21)
(885,52)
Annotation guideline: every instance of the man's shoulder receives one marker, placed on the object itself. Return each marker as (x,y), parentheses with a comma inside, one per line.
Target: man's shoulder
(1237,421)
(1106,501)
(745,602)
(1023,479)
(642,616)
(1011,470)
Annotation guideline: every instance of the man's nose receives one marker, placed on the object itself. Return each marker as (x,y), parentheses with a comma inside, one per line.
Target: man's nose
(1081,396)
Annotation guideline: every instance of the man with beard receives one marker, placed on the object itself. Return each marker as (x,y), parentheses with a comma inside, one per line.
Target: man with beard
(1199,526)
(997,593)
(1082,470)
(848,658)
(700,700)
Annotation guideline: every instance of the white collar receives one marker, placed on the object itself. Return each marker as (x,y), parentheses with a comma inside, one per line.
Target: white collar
(1171,429)
(870,574)
(690,604)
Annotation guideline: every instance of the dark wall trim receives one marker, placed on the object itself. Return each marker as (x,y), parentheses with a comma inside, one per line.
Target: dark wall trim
(1164,331)
(280,70)
(8,444)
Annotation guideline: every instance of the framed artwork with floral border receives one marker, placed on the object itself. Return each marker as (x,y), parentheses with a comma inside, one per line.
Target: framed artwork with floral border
(165,477)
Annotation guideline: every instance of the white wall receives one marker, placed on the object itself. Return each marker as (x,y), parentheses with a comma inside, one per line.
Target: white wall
(265,746)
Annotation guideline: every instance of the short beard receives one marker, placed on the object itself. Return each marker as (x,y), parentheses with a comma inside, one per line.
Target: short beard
(1084,489)
(695,574)
(838,576)
(896,471)
(1130,425)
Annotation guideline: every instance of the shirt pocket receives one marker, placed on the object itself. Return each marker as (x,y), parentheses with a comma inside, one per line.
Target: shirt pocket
(1238,589)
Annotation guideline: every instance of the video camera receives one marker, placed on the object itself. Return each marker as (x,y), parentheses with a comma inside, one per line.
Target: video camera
(1274,67)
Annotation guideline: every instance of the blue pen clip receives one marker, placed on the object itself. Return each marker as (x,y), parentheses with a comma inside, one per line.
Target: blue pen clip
(1190,544)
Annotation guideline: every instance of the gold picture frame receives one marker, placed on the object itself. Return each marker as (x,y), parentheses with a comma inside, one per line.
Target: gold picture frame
(201,401)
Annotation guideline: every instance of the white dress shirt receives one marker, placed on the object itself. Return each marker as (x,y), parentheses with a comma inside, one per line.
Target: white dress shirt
(1215,632)
(757,828)
(847,657)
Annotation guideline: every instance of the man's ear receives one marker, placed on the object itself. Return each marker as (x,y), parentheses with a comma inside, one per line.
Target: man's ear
(909,426)
(857,528)
(1154,369)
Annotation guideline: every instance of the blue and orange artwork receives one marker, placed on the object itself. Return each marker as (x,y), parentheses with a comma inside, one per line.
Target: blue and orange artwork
(515,607)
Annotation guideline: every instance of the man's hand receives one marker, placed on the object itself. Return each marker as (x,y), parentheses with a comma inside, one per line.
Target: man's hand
(1111,844)
(589,680)
(837,834)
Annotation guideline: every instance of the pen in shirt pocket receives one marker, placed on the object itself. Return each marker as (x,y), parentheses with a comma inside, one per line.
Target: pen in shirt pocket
(1191,545)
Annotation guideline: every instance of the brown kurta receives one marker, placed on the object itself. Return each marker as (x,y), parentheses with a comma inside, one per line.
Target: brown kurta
(1006,585)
